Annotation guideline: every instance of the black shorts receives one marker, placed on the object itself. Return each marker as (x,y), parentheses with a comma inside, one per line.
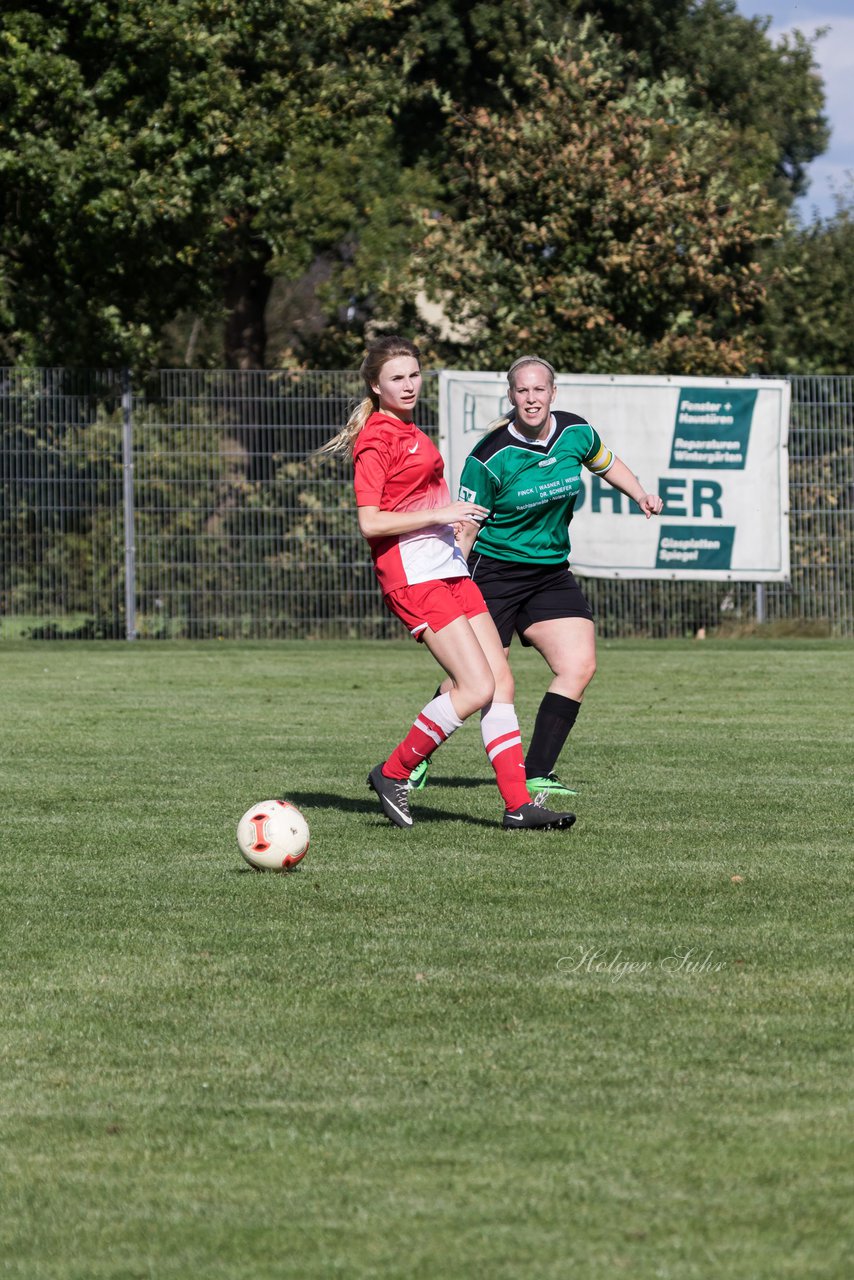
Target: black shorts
(518,595)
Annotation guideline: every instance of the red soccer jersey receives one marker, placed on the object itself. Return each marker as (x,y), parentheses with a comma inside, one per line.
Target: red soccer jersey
(398,468)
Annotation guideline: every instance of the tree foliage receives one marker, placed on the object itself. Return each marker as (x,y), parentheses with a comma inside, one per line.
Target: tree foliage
(176,153)
(770,94)
(743,113)
(161,158)
(598,223)
(809,321)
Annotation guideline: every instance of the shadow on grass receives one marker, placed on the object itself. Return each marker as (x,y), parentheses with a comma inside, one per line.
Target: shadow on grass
(308,800)
(266,871)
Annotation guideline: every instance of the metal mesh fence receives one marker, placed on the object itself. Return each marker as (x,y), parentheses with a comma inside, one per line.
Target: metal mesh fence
(192,504)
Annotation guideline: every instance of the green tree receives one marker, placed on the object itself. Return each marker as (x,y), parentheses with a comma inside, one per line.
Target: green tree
(599,223)
(770,94)
(750,109)
(169,157)
(160,155)
(464,51)
(808,323)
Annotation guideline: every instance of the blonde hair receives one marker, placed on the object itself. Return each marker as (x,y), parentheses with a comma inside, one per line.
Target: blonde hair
(377,354)
(521,363)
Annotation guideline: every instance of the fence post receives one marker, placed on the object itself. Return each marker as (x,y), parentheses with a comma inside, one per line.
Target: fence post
(760,603)
(127,503)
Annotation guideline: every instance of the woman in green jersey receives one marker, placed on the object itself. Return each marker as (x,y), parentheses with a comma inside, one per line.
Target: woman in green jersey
(527,472)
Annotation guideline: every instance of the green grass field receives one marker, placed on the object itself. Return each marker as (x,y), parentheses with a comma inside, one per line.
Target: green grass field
(448,1052)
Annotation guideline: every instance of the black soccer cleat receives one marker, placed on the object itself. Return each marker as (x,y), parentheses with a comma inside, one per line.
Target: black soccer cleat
(535,817)
(393,796)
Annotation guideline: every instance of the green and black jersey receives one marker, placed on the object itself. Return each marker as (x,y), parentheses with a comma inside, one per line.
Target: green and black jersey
(531,488)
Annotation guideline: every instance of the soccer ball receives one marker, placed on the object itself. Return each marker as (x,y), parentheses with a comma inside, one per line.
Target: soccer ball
(273,835)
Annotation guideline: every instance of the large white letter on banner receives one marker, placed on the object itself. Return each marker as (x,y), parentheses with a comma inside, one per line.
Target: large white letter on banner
(715,449)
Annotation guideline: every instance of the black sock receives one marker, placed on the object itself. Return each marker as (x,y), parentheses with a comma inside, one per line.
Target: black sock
(555,718)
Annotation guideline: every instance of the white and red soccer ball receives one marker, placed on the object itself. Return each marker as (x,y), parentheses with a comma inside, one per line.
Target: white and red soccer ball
(273,835)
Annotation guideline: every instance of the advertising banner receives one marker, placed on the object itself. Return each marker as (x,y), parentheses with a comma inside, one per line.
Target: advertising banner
(714,449)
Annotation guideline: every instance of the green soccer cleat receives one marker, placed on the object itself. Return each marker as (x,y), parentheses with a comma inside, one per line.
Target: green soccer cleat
(418,776)
(549,787)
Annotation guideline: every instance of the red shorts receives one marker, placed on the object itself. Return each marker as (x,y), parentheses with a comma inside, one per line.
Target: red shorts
(435,604)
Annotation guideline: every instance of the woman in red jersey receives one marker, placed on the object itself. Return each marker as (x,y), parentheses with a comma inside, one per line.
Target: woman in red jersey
(408,520)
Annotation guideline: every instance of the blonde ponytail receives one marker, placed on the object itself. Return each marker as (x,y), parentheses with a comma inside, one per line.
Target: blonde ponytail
(346,439)
(499,422)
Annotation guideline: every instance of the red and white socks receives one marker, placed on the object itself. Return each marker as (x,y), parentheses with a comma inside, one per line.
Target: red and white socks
(499,729)
(502,739)
(432,727)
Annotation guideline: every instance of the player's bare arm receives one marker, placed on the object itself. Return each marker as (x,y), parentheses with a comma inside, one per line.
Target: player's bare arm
(619,475)
(374,523)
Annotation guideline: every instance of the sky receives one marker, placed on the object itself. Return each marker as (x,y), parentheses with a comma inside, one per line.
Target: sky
(835,58)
